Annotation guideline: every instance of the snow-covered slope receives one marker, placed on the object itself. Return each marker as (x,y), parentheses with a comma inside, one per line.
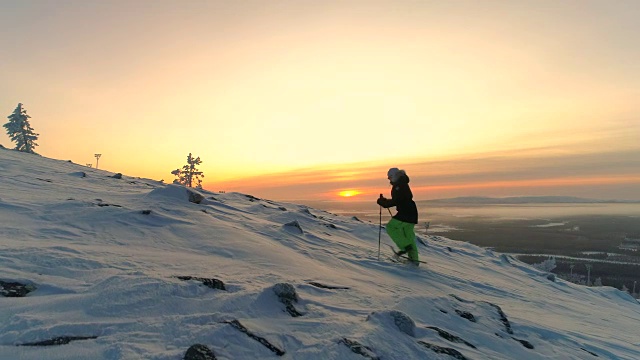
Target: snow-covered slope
(103,257)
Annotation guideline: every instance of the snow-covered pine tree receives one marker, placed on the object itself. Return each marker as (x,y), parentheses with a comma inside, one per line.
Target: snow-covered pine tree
(546,265)
(20,131)
(189,174)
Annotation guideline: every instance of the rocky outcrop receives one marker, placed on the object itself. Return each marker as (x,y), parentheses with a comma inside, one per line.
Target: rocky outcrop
(194,196)
(330,287)
(359,349)
(287,295)
(15,289)
(236,324)
(450,337)
(402,321)
(443,350)
(209,282)
(295,225)
(61,340)
(502,318)
(199,352)
(466,315)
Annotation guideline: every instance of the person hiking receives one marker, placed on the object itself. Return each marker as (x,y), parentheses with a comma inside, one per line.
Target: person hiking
(401,226)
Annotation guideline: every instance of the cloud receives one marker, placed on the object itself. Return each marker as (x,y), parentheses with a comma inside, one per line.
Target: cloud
(603,164)
(523,171)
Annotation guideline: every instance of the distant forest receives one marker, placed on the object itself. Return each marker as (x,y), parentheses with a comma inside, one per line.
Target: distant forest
(616,275)
(609,243)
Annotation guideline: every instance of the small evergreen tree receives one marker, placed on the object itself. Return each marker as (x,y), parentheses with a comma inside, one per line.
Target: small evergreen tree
(546,265)
(189,175)
(20,131)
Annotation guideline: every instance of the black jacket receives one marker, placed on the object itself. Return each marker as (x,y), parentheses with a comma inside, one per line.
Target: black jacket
(402,199)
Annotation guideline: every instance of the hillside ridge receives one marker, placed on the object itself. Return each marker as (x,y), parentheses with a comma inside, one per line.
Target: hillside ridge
(128,268)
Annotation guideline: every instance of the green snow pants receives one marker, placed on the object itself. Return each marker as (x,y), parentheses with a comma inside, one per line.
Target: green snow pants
(405,238)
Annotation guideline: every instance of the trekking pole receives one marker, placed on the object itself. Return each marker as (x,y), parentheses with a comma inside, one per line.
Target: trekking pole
(380,230)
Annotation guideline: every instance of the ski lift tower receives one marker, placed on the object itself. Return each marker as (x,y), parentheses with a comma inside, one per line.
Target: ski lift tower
(97,159)
(571,266)
(589,266)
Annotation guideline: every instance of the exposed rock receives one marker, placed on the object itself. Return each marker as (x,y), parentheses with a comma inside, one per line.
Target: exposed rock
(15,289)
(291,310)
(355,218)
(323,286)
(461,299)
(287,295)
(524,343)
(551,277)
(62,340)
(194,196)
(199,352)
(443,350)
(145,212)
(308,212)
(503,317)
(285,291)
(117,176)
(236,324)
(252,198)
(467,315)
(451,337)
(212,283)
(282,208)
(594,354)
(105,204)
(359,349)
(402,321)
(295,225)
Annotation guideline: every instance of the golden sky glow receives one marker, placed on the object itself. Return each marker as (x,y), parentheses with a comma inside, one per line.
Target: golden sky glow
(301,99)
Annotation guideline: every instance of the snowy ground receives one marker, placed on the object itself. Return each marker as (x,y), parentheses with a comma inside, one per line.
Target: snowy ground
(103,270)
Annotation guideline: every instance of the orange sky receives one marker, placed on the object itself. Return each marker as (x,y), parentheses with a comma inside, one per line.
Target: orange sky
(550,171)
(299,99)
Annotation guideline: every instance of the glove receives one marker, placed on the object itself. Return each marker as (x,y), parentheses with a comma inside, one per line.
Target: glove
(382,201)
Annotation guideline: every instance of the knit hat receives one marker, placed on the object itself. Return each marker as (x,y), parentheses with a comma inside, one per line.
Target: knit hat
(394,174)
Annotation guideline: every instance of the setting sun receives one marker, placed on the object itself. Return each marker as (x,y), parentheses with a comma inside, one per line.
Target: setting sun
(305,93)
(349,193)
